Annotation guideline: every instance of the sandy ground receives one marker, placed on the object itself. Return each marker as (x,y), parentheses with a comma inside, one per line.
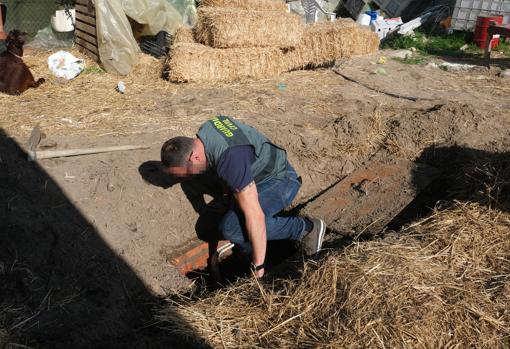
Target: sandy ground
(329,126)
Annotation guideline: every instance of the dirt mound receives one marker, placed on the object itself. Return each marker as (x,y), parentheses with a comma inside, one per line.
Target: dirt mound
(411,132)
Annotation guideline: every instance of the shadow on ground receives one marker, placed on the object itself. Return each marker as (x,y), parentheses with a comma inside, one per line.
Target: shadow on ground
(61,285)
(467,175)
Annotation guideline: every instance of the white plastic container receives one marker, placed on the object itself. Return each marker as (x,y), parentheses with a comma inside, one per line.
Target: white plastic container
(384,27)
(363,19)
(63,21)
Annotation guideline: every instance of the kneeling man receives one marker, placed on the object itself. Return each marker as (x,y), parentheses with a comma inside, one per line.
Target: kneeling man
(258,174)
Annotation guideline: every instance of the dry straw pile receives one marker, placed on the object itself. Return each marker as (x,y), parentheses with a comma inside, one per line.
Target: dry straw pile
(451,288)
(252,5)
(234,28)
(441,282)
(258,39)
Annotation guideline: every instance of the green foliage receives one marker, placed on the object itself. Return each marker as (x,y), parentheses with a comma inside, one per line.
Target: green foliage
(503,47)
(439,45)
(413,60)
(442,45)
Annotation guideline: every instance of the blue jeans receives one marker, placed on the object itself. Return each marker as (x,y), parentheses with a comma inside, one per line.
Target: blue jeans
(274,196)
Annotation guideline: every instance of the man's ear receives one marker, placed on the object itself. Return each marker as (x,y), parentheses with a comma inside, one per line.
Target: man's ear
(193,156)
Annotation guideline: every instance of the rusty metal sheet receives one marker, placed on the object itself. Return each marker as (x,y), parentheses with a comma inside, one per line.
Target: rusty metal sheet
(367,200)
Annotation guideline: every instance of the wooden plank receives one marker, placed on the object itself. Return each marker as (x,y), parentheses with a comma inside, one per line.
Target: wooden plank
(85,19)
(93,55)
(85,28)
(88,46)
(85,10)
(84,36)
(364,202)
(87,52)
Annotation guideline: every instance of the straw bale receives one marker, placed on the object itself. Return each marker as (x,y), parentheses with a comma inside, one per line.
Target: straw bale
(231,28)
(252,5)
(324,42)
(199,63)
(443,281)
(183,35)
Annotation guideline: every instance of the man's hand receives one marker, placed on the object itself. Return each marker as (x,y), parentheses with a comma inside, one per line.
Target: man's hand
(259,274)
(248,200)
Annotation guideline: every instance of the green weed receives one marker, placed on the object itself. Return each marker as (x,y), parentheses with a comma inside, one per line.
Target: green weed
(94,69)
(443,45)
(413,60)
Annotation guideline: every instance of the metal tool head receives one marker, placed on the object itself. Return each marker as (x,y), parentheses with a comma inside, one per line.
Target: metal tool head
(35,138)
(33,142)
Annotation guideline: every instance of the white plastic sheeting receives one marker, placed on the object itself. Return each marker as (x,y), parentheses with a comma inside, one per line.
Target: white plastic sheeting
(157,15)
(117,46)
(65,65)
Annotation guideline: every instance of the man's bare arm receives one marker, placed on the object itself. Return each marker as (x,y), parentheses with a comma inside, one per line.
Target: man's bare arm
(248,200)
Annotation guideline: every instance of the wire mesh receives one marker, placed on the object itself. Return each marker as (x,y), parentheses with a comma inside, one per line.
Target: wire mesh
(29,15)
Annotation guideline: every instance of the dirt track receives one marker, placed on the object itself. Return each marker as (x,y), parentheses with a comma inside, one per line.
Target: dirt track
(329,126)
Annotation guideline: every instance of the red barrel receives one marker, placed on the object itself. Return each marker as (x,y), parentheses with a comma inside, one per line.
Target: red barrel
(482,24)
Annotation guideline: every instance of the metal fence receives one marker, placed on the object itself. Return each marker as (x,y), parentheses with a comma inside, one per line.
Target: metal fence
(29,15)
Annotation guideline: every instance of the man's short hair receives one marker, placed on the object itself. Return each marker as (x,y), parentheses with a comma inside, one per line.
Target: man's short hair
(176,151)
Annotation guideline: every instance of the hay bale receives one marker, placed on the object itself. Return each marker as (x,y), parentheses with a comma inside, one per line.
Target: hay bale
(183,35)
(199,63)
(252,5)
(325,42)
(450,285)
(231,28)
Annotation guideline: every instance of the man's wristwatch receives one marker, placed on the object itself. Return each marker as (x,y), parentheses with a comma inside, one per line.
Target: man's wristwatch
(255,267)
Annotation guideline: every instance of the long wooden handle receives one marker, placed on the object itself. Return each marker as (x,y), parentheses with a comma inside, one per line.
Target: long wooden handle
(48,154)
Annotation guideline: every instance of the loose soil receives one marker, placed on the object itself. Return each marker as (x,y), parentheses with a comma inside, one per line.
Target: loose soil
(86,240)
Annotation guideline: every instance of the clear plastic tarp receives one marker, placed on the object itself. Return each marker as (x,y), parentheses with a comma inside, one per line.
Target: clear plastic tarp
(117,46)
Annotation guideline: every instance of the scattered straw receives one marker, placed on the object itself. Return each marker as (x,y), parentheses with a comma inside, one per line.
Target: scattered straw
(199,63)
(447,288)
(4,338)
(252,5)
(228,28)
(89,104)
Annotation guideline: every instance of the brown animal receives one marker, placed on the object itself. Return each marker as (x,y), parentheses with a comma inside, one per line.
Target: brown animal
(15,77)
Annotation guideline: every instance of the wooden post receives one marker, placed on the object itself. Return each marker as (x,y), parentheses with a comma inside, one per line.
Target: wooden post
(3,35)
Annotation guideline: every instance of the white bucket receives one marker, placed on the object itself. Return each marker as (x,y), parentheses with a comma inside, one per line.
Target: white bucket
(62,22)
(363,19)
